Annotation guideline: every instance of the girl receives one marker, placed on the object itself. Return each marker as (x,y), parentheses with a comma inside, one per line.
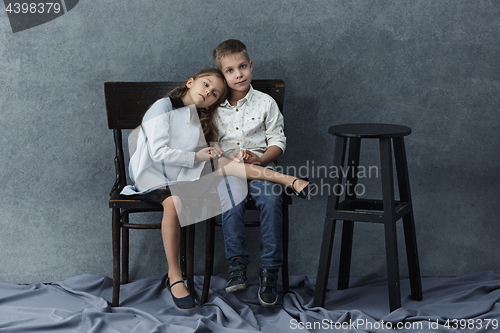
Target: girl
(168,154)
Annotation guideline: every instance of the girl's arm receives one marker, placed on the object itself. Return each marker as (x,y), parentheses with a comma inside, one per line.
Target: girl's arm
(156,131)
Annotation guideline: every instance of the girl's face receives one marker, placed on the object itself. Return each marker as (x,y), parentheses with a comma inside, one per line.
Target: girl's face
(203,91)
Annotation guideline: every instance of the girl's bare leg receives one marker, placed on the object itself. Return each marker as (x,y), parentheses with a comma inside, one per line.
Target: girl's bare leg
(252,171)
(171,233)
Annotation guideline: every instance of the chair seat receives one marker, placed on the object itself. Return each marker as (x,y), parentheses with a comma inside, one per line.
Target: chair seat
(121,201)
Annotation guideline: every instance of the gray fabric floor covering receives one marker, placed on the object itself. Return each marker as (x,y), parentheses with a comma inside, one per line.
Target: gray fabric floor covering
(466,303)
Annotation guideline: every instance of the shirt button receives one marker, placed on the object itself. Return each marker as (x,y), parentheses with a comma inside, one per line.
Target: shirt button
(253,118)
(237,110)
(238,143)
(236,128)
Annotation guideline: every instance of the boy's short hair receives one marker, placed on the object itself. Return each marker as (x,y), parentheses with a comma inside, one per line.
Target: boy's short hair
(229,48)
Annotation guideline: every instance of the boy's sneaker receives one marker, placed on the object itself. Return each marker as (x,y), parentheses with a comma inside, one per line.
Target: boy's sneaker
(237,279)
(268,278)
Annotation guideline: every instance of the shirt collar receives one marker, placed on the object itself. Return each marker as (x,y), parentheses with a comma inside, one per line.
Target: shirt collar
(177,103)
(242,101)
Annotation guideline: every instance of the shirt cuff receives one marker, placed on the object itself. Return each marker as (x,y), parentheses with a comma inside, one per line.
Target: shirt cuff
(191,159)
(280,145)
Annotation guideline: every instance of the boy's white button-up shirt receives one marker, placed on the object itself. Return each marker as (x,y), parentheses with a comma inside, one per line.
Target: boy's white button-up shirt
(255,123)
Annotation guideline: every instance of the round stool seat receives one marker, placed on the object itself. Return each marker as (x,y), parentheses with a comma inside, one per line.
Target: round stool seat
(369,130)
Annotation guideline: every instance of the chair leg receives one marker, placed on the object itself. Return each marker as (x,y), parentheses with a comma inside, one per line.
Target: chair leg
(190,258)
(209,259)
(391,246)
(125,251)
(116,256)
(284,267)
(182,252)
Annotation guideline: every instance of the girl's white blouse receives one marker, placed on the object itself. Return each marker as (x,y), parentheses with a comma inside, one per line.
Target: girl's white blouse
(164,153)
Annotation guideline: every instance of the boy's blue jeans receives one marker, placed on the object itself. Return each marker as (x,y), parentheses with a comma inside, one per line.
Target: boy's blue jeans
(268,197)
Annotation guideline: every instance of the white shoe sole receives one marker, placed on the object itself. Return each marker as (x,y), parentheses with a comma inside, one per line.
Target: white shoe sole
(264,303)
(237,287)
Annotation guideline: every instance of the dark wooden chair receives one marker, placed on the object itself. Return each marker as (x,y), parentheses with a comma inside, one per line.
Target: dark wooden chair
(126,102)
(276,89)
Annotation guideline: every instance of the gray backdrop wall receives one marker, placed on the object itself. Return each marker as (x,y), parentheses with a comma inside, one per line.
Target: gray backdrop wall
(431,65)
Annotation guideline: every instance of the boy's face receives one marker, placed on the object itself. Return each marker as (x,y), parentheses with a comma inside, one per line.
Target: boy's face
(237,70)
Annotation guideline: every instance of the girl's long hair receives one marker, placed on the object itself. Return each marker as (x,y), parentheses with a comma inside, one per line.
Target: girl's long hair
(206,115)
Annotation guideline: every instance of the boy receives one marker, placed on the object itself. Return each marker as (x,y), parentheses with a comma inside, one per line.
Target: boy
(250,123)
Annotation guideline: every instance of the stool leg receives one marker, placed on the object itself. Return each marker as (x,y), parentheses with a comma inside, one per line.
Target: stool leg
(348,226)
(412,257)
(408,220)
(325,258)
(329,227)
(345,255)
(391,246)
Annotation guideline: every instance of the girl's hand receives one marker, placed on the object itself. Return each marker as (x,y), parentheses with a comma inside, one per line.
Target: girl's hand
(207,153)
(204,154)
(217,151)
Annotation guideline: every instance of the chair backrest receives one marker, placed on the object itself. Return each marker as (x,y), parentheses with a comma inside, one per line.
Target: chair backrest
(126,103)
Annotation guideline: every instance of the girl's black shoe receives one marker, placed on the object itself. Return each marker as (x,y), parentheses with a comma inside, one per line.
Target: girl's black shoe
(184,303)
(304,193)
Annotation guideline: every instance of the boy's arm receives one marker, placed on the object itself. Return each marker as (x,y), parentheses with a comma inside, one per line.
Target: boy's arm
(275,136)
(271,154)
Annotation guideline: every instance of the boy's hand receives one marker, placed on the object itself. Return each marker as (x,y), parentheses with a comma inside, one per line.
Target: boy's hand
(251,158)
(237,156)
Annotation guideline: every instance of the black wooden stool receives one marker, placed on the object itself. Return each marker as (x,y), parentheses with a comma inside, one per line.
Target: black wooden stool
(386,211)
